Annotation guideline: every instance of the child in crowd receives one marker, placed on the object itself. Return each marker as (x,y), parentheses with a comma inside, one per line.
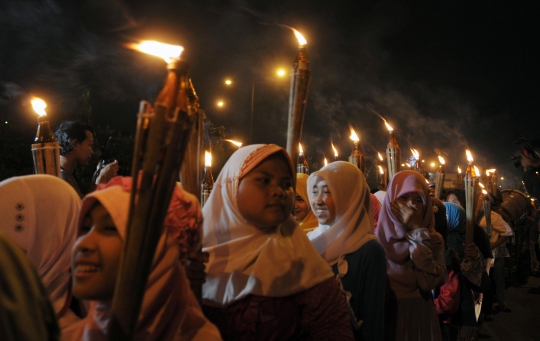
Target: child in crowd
(38,213)
(415,259)
(265,279)
(302,210)
(340,198)
(169,309)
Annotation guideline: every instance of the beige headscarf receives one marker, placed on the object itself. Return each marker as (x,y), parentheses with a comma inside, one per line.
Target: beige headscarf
(353,226)
(39,213)
(245,261)
(310,220)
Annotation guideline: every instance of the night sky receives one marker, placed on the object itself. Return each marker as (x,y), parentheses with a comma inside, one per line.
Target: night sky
(446,75)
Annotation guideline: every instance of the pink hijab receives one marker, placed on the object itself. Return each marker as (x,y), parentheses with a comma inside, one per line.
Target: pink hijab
(391,231)
(167,296)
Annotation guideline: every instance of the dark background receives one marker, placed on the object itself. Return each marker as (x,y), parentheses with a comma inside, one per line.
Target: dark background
(446,75)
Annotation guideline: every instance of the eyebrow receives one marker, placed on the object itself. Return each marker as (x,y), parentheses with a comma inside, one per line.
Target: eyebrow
(272,174)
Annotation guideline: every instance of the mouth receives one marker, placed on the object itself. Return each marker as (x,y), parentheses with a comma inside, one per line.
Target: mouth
(84,270)
(320,211)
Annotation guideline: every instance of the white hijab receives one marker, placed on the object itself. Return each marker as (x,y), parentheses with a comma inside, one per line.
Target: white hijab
(39,213)
(353,226)
(245,261)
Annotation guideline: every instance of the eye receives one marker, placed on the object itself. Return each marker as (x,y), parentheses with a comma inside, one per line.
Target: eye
(85,229)
(264,180)
(111,228)
(299,199)
(286,184)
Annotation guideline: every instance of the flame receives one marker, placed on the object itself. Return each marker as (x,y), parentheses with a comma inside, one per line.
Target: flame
(476,171)
(469,155)
(39,106)
(380,156)
(354,137)
(415,153)
(407,164)
(165,51)
(427,181)
(301,40)
(492,170)
(389,127)
(441,160)
(325,161)
(301,150)
(381,170)
(236,143)
(459,170)
(484,192)
(481,185)
(207,158)
(335,150)
(487,172)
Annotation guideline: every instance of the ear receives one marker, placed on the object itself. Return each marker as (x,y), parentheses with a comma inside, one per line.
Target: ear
(74,143)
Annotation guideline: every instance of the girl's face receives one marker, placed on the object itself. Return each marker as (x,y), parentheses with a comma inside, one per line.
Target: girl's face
(301,209)
(452,198)
(265,195)
(412,200)
(95,257)
(322,203)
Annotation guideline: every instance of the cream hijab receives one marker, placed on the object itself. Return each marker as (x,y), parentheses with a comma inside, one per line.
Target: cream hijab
(353,226)
(167,298)
(243,260)
(39,213)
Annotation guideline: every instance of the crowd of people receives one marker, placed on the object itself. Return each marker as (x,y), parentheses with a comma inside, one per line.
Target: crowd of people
(333,262)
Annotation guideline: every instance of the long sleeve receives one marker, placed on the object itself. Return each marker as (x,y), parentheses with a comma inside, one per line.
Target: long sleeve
(448,300)
(427,255)
(366,281)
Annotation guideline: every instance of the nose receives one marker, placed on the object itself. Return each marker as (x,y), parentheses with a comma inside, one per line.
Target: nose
(85,244)
(278,191)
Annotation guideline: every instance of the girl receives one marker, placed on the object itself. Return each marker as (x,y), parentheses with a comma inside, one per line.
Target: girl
(302,210)
(265,280)
(340,198)
(415,258)
(169,310)
(39,212)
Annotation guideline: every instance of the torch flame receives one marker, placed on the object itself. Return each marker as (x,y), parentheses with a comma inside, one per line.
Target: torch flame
(389,127)
(301,40)
(459,170)
(476,171)
(441,160)
(415,153)
(492,170)
(354,137)
(325,161)
(207,158)
(481,185)
(381,170)
(335,150)
(380,156)
(39,106)
(165,51)
(484,192)
(236,143)
(469,155)
(301,150)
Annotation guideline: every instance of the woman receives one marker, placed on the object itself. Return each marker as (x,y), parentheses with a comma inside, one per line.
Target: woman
(415,258)
(39,212)
(344,238)
(302,211)
(265,280)
(169,310)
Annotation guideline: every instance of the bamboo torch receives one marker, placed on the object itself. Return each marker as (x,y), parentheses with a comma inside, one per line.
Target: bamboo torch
(492,176)
(459,179)
(45,149)
(302,166)
(325,161)
(383,179)
(357,157)
(393,153)
(208,179)
(439,178)
(487,212)
(160,146)
(415,161)
(300,78)
(470,191)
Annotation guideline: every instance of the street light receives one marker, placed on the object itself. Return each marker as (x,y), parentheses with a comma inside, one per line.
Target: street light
(220,103)
(228,82)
